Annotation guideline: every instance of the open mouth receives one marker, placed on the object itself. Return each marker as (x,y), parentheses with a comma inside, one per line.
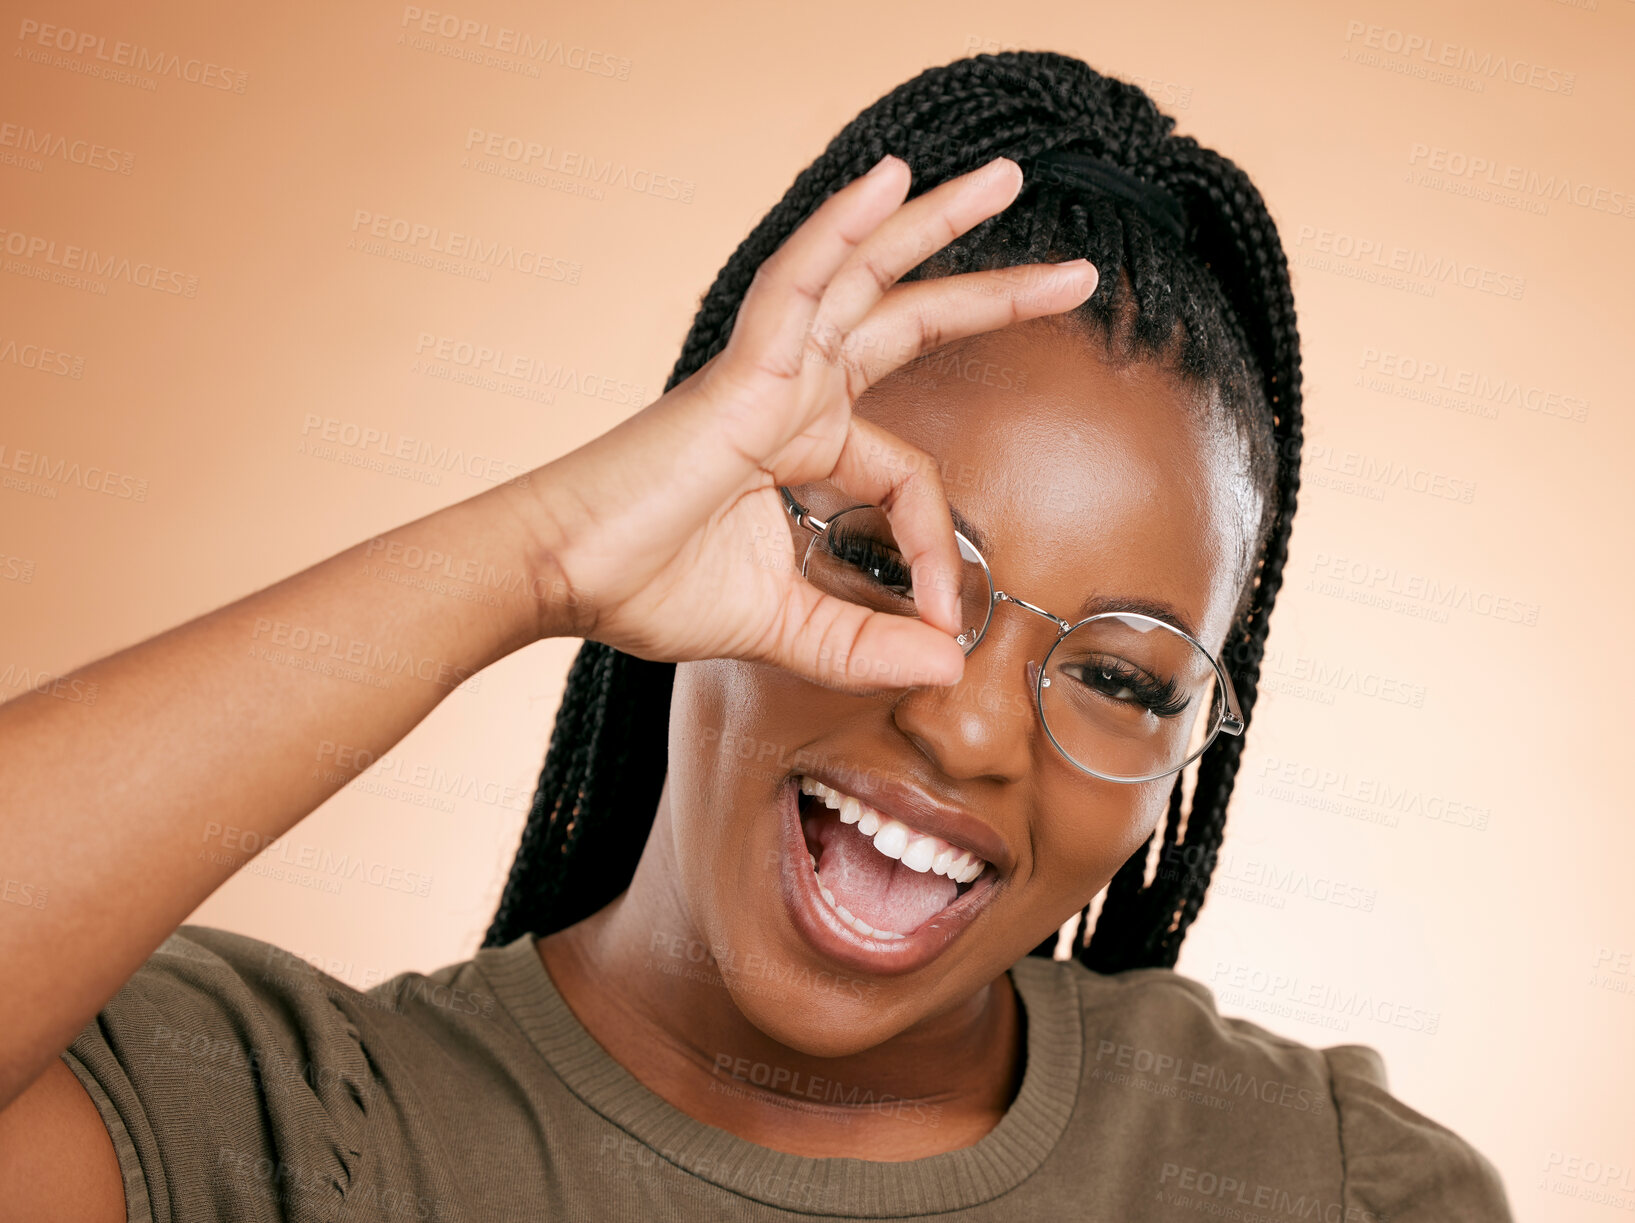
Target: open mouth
(881,877)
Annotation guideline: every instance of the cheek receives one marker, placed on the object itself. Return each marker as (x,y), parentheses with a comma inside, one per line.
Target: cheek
(729,755)
(736,729)
(699,784)
(1094,830)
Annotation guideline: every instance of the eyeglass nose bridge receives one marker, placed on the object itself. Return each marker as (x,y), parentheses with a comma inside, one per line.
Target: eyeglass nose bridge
(1035,668)
(1001,596)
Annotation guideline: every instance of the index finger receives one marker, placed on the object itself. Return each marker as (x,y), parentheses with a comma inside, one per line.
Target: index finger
(881,469)
(782,299)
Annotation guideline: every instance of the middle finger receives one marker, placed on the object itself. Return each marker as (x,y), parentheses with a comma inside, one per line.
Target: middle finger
(906,238)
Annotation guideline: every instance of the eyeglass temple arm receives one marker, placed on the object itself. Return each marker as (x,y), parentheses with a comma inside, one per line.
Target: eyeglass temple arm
(1232,723)
(802,516)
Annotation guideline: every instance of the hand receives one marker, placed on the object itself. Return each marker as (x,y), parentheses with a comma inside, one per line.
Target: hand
(670,527)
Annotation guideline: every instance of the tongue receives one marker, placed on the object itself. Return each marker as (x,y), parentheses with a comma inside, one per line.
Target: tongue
(878,889)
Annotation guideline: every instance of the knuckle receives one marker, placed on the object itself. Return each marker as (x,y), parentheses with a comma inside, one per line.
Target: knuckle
(932,335)
(765,273)
(869,263)
(824,342)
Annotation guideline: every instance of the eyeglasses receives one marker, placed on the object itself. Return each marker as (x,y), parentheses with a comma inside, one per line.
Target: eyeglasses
(1124,696)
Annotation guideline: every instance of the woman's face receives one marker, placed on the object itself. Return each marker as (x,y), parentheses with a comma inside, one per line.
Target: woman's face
(1083,480)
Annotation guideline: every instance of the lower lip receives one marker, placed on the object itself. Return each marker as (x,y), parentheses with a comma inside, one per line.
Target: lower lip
(823,928)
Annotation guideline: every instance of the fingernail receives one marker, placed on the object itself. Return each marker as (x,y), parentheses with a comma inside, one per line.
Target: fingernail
(1076,269)
(880,166)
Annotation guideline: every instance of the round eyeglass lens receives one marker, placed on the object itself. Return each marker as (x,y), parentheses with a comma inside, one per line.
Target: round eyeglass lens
(1124,696)
(857,559)
(1130,698)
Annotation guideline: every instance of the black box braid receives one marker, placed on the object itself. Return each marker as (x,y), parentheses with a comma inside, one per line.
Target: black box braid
(1215,303)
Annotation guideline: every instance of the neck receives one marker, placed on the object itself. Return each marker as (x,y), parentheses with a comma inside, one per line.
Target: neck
(660,1006)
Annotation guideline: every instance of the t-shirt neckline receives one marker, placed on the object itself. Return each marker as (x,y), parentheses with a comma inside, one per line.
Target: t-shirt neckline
(837,1187)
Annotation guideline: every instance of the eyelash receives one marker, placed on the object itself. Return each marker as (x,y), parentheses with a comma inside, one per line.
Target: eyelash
(1162,699)
(870,556)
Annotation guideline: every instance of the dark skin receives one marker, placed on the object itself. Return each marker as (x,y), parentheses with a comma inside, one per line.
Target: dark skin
(1091,478)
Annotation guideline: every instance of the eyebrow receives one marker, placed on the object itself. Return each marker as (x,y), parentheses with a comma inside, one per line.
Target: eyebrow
(1095,605)
(962,524)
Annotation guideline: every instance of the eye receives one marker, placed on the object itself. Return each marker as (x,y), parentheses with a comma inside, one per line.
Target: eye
(880,563)
(1120,681)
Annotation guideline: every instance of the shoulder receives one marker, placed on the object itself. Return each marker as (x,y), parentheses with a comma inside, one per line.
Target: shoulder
(228,1071)
(1154,1027)
(1157,1020)
(1399,1162)
(214,1001)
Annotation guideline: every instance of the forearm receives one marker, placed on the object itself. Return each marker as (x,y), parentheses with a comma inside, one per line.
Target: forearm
(115,812)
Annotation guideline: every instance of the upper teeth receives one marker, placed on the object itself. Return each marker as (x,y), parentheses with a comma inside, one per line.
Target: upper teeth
(916,850)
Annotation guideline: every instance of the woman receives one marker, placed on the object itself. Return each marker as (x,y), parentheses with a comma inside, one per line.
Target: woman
(962,514)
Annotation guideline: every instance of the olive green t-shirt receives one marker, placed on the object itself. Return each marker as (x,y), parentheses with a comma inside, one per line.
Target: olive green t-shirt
(239,1082)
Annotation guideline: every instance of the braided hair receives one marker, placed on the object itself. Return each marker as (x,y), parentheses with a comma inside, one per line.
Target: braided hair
(1214,303)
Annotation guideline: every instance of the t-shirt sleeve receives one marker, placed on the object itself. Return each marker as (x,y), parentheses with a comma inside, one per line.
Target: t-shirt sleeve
(1399,1165)
(231,1083)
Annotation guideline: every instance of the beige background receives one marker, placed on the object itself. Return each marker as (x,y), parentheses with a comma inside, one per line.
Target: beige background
(1430,844)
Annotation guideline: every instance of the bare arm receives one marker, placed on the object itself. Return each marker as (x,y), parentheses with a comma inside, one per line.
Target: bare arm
(123,814)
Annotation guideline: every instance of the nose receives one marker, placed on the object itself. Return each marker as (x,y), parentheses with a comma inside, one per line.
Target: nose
(985,726)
